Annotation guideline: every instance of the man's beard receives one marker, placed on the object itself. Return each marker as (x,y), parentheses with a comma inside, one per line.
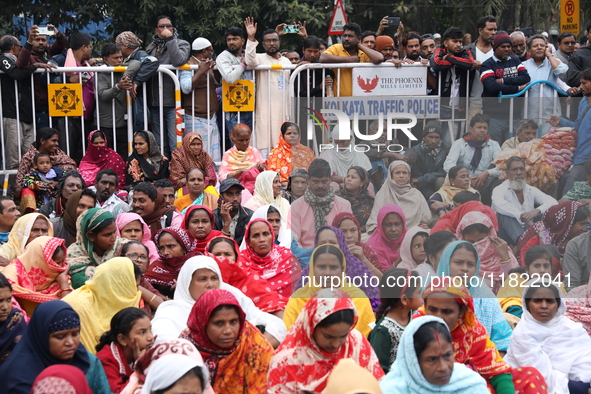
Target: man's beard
(520,55)
(517,185)
(414,57)
(234,51)
(272,53)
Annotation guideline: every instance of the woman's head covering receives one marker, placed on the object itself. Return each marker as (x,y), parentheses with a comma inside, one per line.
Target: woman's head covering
(32,355)
(20,233)
(336,222)
(349,378)
(112,288)
(123,219)
(451,220)
(406,259)
(284,237)
(181,235)
(165,270)
(98,158)
(406,375)
(361,201)
(187,160)
(61,379)
(300,364)
(555,226)
(201,243)
(386,249)
(560,349)
(166,371)
(460,294)
(448,192)
(154,155)
(87,222)
(263,187)
(69,216)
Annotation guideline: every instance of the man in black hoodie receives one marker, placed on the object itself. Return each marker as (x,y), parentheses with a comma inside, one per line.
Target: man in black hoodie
(579,61)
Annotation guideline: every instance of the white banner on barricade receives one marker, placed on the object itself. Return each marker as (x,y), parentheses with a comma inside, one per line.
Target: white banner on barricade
(370,107)
(381,81)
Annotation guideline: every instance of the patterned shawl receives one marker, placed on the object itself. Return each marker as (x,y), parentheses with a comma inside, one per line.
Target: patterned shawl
(153,168)
(34,272)
(239,369)
(98,158)
(320,205)
(299,364)
(234,160)
(450,221)
(61,379)
(183,160)
(361,202)
(11,330)
(285,158)
(201,243)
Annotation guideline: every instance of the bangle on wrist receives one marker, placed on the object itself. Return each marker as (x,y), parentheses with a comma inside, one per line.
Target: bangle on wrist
(506,261)
(152,299)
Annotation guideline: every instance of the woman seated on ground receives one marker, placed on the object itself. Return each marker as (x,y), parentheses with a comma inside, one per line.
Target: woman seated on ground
(195,182)
(175,247)
(146,163)
(40,274)
(138,254)
(355,268)
(98,157)
(351,228)
(65,377)
(144,363)
(388,236)
(47,141)
(426,364)
(199,222)
(12,321)
(471,343)
(96,242)
(578,306)
(177,373)
(227,255)
(199,275)
(113,288)
(457,180)
(327,267)
(412,251)
(70,183)
(278,222)
(538,264)
(355,191)
(23,232)
(267,190)
(399,301)
(496,257)
(398,190)
(434,246)
(237,355)
(560,223)
(132,227)
(289,154)
(296,185)
(545,339)
(460,260)
(311,349)
(450,221)
(189,156)
(128,339)
(64,226)
(343,156)
(262,257)
(52,337)
(349,377)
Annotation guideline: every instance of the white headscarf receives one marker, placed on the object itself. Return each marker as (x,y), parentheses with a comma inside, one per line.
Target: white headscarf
(171,317)
(263,194)
(284,237)
(560,349)
(167,370)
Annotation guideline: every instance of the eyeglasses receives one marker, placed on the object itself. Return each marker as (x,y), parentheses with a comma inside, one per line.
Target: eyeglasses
(135,256)
(164,26)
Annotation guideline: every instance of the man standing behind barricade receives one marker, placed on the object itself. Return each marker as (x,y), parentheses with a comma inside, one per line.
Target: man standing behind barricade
(79,55)
(519,45)
(232,67)
(200,100)
(37,51)
(131,49)
(168,49)
(312,82)
(22,129)
(503,73)
(455,68)
(350,51)
(385,45)
(272,103)
(112,95)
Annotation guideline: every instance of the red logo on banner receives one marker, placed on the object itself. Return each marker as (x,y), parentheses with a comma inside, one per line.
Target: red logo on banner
(368,85)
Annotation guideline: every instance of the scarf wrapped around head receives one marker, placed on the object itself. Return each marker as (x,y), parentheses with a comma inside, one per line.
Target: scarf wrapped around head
(128,39)
(87,222)
(98,158)
(320,205)
(153,220)
(361,201)
(554,227)
(20,233)
(387,250)
(184,160)
(61,379)
(450,221)
(201,243)
(406,259)
(475,162)
(448,192)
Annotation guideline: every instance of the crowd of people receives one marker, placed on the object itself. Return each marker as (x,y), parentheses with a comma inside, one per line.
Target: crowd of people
(192,270)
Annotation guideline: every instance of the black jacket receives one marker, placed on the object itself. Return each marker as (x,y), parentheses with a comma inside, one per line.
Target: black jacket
(578,62)
(10,74)
(463,65)
(244,215)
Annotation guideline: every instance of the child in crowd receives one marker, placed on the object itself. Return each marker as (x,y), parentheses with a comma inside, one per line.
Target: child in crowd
(42,179)
(400,293)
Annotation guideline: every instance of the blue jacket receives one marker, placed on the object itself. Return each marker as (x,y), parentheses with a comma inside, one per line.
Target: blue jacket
(583,127)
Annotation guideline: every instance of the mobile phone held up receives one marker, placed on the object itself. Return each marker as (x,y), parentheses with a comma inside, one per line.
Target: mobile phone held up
(46,31)
(291,29)
(393,21)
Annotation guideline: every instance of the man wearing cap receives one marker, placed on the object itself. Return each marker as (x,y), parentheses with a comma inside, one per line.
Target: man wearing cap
(231,217)
(428,46)
(297,184)
(385,46)
(131,50)
(502,73)
(455,66)
(427,173)
(200,101)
